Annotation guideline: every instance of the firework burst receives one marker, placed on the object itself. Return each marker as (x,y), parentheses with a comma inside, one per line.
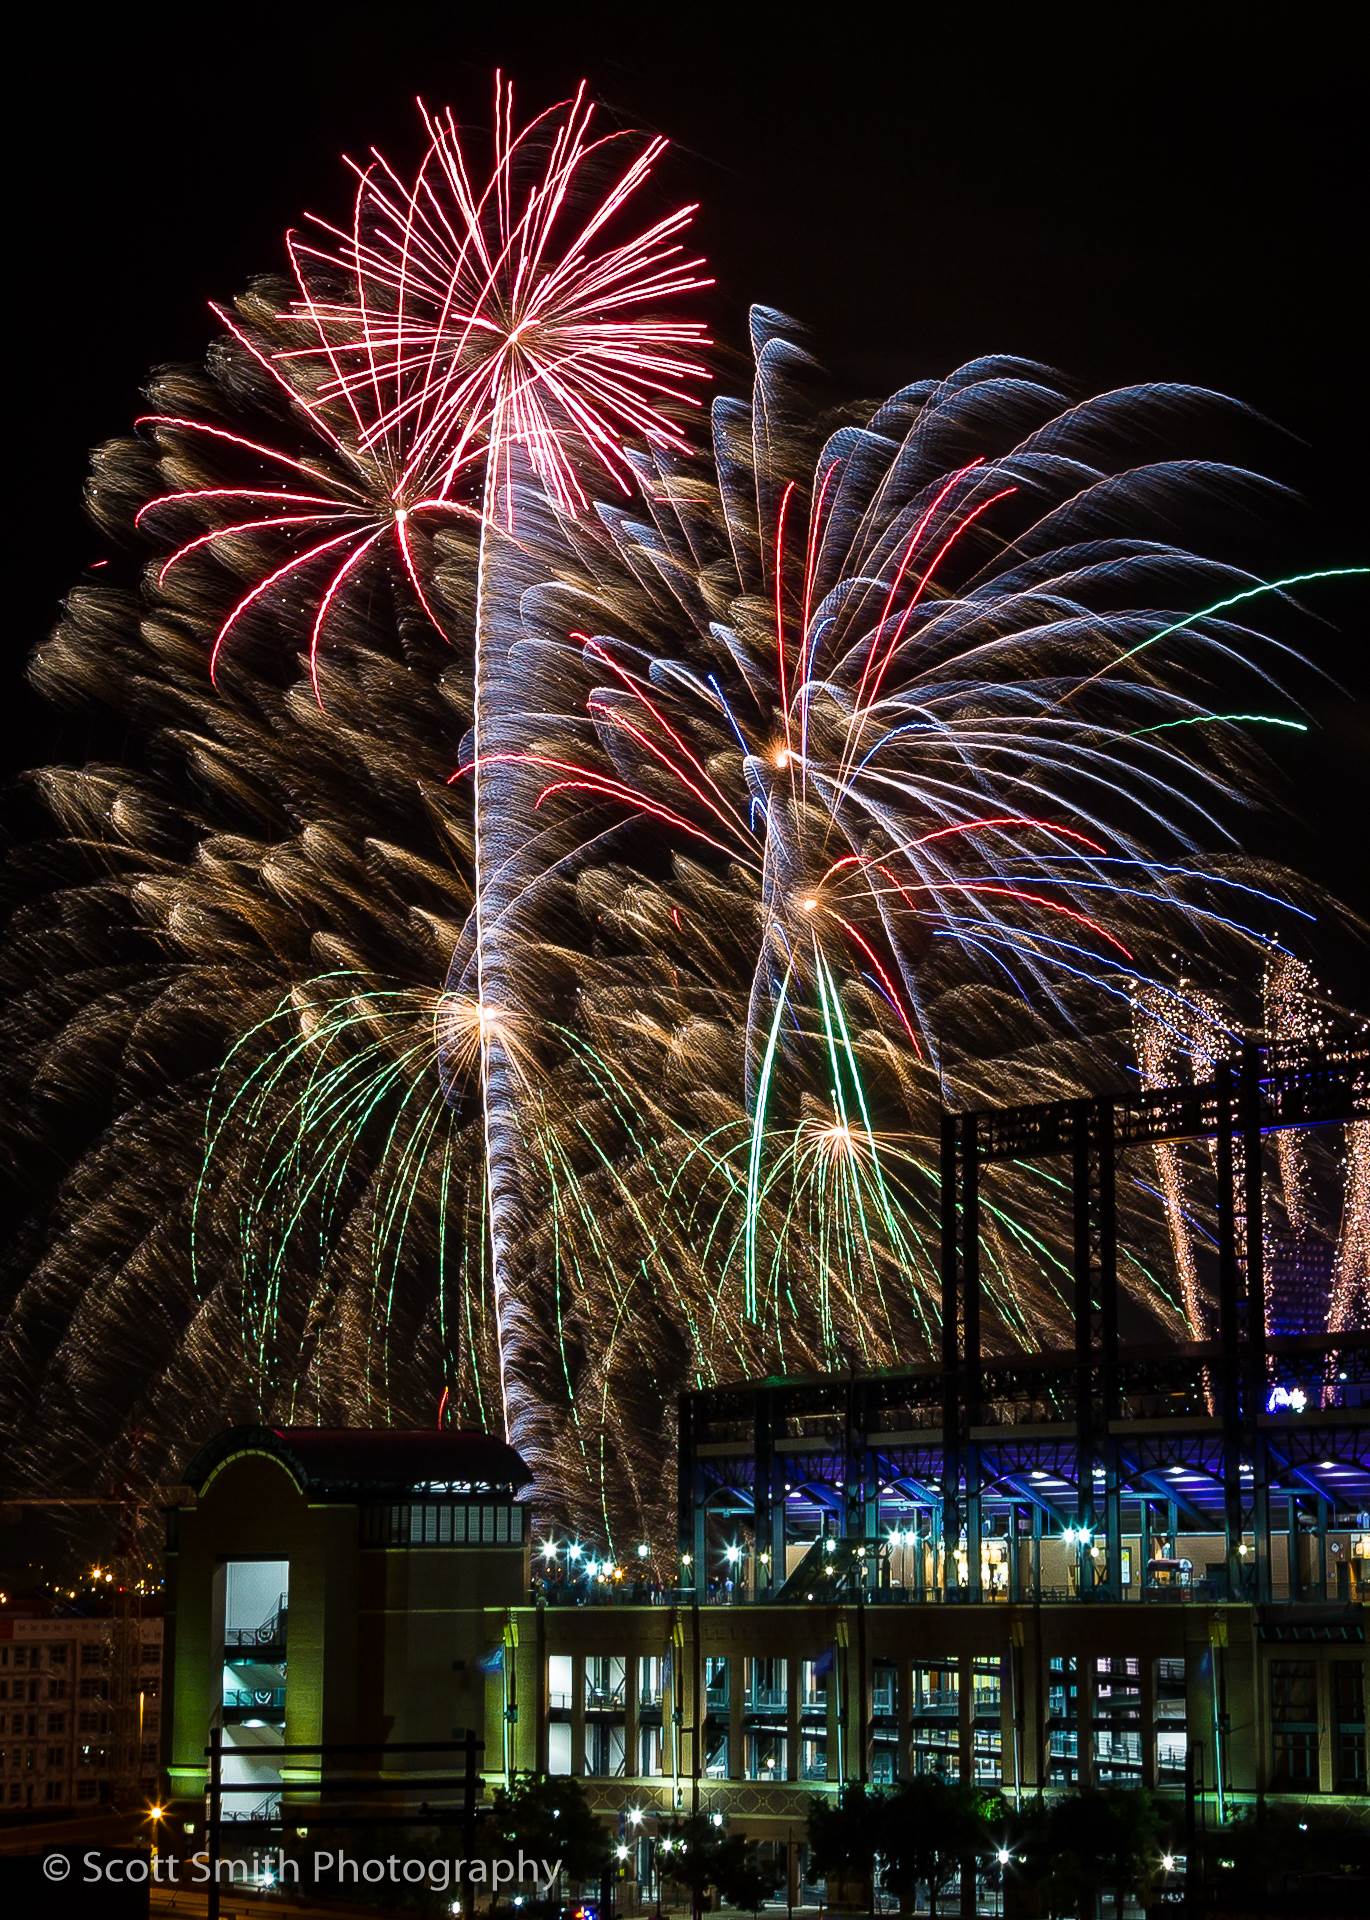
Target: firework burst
(459,345)
(871,764)
(449,327)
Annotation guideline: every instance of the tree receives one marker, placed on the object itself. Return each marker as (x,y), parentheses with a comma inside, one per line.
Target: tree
(550,1817)
(919,1834)
(739,1875)
(1101,1840)
(928,1827)
(1308,1857)
(696,1854)
(843,1836)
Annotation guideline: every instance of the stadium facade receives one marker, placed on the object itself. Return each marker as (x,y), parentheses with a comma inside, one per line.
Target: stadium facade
(1123,1562)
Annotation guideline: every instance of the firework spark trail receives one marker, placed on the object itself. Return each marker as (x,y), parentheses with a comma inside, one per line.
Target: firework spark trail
(507,328)
(894,669)
(1313,1226)
(816,784)
(464,347)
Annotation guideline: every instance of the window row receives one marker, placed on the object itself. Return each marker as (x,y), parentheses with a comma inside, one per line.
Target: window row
(442,1524)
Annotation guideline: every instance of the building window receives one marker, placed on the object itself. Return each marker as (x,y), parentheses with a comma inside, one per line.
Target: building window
(766,1686)
(1118,1721)
(813,1755)
(604,1681)
(559,1747)
(560,1681)
(1063,1721)
(766,1753)
(814,1676)
(884,1759)
(717,1695)
(256,1600)
(442,1524)
(604,1749)
(1348,1719)
(935,1712)
(987,1720)
(885,1688)
(649,1750)
(1294,1725)
(765,1698)
(649,1680)
(1172,1737)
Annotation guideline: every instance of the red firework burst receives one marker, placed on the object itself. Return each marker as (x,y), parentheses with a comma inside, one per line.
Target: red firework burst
(448,326)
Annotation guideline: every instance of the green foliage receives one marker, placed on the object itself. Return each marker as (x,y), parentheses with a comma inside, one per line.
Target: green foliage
(697,1855)
(915,1835)
(1071,1852)
(1299,1855)
(549,1816)
(843,1834)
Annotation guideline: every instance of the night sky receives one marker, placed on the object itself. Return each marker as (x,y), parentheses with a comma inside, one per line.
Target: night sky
(1122,208)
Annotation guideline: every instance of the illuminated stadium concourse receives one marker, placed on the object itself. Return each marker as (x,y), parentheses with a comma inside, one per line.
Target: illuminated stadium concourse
(1116,1467)
(1117,1564)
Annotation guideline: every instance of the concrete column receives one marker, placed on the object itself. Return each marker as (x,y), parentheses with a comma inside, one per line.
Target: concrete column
(965,1717)
(578,1715)
(1260,1514)
(974,1524)
(1010,1708)
(1326,1732)
(794,1683)
(632,1752)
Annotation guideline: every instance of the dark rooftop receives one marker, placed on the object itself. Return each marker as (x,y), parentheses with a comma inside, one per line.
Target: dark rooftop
(346,1460)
